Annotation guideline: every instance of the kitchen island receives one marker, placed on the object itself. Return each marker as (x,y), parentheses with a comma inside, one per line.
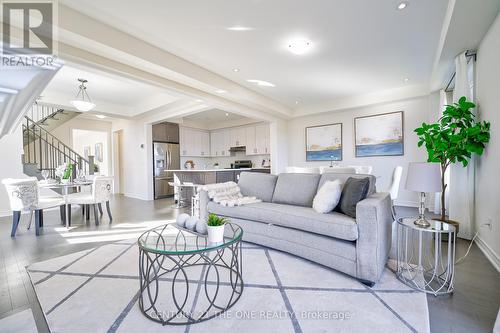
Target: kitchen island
(207,176)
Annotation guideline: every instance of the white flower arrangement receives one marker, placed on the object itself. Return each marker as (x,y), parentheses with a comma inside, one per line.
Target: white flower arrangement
(60,170)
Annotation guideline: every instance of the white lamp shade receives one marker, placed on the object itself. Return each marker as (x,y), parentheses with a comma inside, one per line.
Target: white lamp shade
(83,106)
(424,177)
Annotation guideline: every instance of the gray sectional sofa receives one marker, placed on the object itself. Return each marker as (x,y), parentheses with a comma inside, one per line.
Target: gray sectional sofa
(286,221)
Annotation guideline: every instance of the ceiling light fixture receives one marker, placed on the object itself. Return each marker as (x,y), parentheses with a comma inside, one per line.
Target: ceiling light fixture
(82,101)
(236,70)
(262,83)
(402,5)
(297,102)
(299,46)
(239,28)
(227,114)
(100,116)
(406,79)
(221,91)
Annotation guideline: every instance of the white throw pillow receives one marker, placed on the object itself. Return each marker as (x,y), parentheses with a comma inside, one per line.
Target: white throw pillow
(327,197)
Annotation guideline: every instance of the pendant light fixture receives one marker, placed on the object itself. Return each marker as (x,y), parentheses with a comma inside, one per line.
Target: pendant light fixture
(82,100)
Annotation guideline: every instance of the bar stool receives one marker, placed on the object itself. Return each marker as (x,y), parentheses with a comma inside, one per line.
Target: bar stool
(180,188)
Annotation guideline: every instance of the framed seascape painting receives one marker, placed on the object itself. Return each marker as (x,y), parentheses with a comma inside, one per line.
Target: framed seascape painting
(86,152)
(324,143)
(379,135)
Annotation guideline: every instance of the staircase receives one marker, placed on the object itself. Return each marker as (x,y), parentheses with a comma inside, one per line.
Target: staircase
(44,151)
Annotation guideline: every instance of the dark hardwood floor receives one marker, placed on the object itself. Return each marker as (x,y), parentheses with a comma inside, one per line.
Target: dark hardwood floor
(472,308)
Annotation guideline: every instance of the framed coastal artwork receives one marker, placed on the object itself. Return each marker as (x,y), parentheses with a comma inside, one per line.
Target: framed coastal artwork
(379,135)
(324,143)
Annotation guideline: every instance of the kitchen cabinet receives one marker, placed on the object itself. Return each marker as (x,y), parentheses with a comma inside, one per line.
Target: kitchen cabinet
(165,132)
(257,140)
(194,142)
(220,143)
(237,136)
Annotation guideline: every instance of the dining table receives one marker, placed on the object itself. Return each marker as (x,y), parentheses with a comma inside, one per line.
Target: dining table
(64,187)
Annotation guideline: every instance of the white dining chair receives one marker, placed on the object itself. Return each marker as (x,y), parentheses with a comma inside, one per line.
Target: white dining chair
(314,170)
(101,193)
(364,169)
(24,196)
(394,187)
(337,169)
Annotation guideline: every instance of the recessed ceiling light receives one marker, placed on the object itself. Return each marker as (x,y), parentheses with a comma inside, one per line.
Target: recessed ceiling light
(221,91)
(236,69)
(297,102)
(402,5)
(239,28)
(262,83)
(299,46)
(100,116)
(227,114)
(406,79)
(199,100)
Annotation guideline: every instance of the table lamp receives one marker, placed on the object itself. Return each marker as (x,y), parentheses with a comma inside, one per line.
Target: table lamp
(423,177)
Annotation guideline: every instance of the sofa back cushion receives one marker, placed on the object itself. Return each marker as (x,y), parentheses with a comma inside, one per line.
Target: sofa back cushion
(296,189)
(343,178)
(257,184)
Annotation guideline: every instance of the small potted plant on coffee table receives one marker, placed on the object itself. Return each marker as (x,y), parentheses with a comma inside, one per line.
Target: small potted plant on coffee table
(215,227)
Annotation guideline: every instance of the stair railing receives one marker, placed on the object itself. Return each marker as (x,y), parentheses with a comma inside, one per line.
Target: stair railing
(47,151)
(39,113)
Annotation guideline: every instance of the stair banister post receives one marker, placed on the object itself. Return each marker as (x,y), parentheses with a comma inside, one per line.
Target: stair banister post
(91,165)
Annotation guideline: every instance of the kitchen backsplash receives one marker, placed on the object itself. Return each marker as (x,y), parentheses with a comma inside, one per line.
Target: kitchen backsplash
(224,162)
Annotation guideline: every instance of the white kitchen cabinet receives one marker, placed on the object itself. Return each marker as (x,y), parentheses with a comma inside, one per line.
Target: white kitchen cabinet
(251,141)
(262,139)
(237,136)
(257,140)
(220,143)
(194,142)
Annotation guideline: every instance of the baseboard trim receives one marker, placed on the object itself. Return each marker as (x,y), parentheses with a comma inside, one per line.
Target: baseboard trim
(489,253)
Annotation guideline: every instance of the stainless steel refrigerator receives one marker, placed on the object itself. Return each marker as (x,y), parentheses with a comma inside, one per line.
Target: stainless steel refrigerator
(166,157)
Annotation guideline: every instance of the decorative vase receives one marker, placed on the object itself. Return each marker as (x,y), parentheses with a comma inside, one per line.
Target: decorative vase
(215,234)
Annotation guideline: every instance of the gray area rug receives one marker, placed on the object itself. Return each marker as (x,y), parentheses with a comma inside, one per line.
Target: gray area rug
(97,291)
(21,322)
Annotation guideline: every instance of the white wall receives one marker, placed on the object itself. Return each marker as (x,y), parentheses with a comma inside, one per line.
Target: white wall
(65,133)
(416,111)
(85,138)
(11,146)
(137,158)
(488,166)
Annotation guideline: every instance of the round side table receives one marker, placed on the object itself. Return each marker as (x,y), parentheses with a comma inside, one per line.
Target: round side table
(426,259)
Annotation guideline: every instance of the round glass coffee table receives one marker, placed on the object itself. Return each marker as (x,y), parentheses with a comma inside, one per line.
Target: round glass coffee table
(426,259)
(184,279)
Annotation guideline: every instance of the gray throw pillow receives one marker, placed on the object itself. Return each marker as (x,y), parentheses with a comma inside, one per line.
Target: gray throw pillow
(355,190)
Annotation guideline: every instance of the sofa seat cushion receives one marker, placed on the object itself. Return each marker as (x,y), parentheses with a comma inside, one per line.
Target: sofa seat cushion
(303,218)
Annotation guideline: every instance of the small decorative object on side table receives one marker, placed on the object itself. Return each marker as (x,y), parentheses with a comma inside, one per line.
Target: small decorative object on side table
(215,228)
(425,261)
(423,177)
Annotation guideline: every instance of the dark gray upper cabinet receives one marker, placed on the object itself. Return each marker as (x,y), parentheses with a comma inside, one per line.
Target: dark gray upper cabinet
(166,132)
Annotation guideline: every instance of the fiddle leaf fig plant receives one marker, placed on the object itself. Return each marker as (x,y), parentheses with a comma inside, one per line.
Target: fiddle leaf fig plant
(454,139)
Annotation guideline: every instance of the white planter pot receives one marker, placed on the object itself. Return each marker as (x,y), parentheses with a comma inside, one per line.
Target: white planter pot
(215,234)
(65,181)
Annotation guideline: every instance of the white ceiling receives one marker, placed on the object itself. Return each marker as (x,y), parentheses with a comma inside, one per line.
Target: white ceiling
(359,46)
(112,94)
(214,116)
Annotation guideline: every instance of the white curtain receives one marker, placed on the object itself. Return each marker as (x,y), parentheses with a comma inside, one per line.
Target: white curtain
(443,101)
(461,186)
